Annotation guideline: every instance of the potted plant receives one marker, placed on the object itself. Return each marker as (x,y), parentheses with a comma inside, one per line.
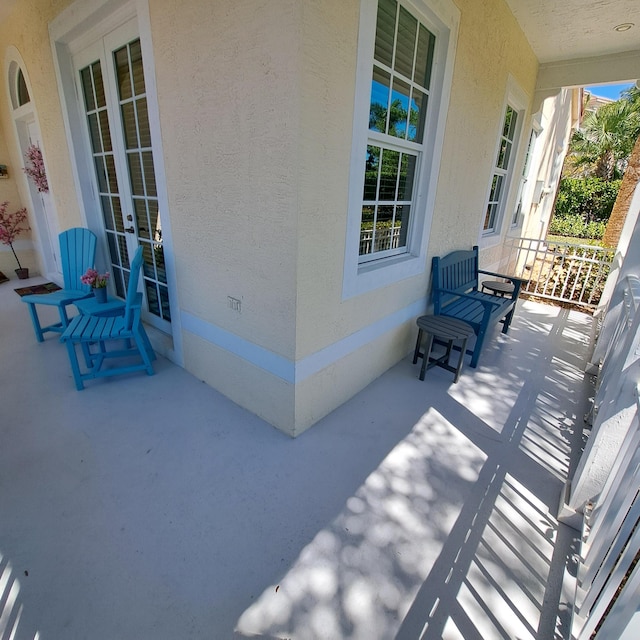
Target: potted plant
(98,282)
(11,226)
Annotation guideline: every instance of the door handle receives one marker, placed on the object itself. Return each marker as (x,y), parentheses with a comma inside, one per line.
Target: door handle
(129,229)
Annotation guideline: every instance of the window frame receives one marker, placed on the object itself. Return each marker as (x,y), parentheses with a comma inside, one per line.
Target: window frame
(15,74)
(441,19)
(395,69)
(517,100)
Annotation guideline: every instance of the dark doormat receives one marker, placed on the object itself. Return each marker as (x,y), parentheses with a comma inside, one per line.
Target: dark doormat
(47,287)
(3,278)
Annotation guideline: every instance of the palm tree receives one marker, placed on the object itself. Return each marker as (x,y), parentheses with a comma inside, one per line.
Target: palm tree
(629,182)
(606,138)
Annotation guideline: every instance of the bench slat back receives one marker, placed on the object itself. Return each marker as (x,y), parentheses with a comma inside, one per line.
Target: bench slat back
(457,271)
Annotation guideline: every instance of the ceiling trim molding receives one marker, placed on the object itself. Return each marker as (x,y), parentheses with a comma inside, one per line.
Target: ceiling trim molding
(580,72)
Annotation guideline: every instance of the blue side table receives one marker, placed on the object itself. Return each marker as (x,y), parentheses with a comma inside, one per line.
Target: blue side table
(91,307)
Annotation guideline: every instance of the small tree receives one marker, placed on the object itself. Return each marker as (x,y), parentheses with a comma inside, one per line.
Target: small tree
(11,226)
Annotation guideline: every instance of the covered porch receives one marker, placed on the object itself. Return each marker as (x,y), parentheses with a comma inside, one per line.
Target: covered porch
(156,508)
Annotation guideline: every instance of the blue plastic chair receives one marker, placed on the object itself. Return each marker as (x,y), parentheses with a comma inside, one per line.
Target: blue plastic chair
(126,333)
(77,252)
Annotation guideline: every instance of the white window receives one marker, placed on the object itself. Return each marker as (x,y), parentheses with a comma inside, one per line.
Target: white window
(501,195)
(402,62)
(405,63)
(17,87)
(504,163)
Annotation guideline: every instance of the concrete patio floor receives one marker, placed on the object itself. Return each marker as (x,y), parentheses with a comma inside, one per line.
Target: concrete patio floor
(154,508)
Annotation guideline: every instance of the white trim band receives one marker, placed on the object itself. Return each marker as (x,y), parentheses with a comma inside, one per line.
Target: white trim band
(295,372)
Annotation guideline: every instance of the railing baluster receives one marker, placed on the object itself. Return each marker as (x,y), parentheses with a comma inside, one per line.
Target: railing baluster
(561,271)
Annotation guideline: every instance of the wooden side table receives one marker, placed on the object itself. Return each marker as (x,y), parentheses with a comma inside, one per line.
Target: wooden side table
(498,288)
(448,330)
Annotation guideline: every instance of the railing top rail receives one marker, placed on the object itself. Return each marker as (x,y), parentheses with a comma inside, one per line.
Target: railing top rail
(561,270)
(564,243)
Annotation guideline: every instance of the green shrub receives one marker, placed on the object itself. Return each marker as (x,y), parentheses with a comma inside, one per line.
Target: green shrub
(591,199)
(574,226)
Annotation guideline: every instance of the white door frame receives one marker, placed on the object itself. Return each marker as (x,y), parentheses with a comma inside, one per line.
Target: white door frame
(76,28)
(41,205)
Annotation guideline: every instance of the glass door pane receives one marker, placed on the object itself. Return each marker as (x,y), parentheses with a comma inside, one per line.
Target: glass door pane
(115,103)
(137,143)
(107,180)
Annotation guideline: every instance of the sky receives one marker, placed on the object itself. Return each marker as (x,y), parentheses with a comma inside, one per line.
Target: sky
(609,90)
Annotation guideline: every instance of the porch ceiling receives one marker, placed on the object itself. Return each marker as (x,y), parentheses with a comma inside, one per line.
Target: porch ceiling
(558,31)
(572,29)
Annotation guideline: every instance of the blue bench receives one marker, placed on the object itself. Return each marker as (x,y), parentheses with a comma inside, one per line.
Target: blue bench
(455,294)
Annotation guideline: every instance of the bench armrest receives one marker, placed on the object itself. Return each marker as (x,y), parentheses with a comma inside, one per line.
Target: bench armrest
(517,282)
(513,279)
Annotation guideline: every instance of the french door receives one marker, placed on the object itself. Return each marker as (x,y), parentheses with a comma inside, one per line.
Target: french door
(111,89)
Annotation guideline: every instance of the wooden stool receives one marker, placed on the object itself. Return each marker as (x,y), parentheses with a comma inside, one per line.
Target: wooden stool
(447,329)
(498,288)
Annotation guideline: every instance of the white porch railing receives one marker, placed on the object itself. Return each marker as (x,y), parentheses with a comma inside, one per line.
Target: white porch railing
(386,238)
(562,271)
(622,336)
(608,594)
(607,602)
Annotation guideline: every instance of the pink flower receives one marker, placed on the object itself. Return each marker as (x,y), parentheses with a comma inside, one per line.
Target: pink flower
(95,279)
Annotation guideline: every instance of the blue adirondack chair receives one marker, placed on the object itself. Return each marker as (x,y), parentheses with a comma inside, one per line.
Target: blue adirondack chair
(77,252)
(125,333)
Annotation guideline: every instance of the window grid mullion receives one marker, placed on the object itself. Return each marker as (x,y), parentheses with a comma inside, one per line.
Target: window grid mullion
(374,229)
(415,55)
(393,64)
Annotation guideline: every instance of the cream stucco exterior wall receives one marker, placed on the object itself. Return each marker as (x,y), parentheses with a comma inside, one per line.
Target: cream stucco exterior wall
(482,67)
(233,190)
(491,47)
(229,108)
(557,117)
(26,30)
(255,103)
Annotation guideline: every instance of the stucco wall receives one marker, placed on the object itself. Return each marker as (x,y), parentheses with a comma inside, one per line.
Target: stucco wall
(490,47)
(255,104)
(26,29)
(229,110)
(551,149)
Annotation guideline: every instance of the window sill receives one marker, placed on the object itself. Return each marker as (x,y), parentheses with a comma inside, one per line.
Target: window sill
(489,240)
(376,274)
(381,263)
